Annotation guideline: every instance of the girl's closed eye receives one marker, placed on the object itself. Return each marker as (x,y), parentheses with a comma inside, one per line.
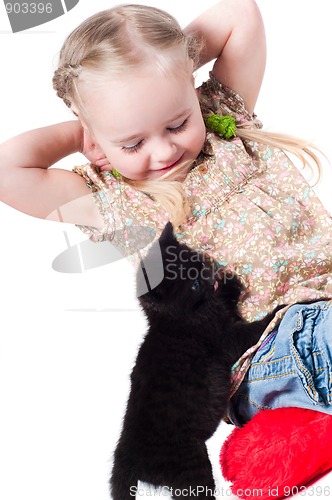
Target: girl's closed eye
(173,130)
(132,149)
(179,128)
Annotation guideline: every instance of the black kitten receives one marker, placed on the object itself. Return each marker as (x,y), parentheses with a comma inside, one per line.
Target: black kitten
(180,384)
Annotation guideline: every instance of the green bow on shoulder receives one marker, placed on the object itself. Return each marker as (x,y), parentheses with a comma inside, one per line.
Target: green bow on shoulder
(223,125)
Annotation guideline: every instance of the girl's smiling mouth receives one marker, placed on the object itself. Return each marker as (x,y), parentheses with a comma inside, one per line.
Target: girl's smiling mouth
(168,167)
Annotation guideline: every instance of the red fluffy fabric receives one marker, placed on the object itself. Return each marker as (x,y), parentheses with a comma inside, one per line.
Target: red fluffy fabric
(277,452)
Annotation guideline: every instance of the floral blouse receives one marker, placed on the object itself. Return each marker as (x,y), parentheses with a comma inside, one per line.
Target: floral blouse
(251,210)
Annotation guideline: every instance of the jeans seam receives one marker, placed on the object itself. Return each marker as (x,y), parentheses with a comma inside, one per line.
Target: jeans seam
(266,363)
(285,374)
(250,401)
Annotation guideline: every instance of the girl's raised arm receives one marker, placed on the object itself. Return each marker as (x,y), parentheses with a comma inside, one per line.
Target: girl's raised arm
(234,35)
(29,185)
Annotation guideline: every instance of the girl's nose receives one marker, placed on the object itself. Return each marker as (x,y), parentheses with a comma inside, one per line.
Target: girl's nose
(162,150)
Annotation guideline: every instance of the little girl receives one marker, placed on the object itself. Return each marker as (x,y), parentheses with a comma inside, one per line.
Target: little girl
(158,151)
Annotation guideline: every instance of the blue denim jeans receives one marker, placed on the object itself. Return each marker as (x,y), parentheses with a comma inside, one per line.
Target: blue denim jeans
(293,366)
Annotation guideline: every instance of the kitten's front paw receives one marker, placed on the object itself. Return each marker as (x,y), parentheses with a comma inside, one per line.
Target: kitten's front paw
(230,286)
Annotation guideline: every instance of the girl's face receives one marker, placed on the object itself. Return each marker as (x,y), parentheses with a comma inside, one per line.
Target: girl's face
(145,125)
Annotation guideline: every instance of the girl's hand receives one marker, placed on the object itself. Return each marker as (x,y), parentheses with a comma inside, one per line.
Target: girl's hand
(234,37)
(94,153)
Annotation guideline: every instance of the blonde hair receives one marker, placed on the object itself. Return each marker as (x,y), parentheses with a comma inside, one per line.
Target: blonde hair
(126,37)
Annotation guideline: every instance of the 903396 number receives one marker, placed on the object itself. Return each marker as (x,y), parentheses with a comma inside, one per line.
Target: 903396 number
(28,8)
(310,491)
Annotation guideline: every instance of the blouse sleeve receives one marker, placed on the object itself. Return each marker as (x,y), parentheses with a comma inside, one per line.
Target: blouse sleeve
(216,98)
(130,217)
(102,197)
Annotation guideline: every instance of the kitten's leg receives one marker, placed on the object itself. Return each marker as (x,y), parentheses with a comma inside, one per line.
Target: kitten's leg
(124,478)
(192,476)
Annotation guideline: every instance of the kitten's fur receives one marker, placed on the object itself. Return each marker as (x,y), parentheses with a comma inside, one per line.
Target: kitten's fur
(181,381)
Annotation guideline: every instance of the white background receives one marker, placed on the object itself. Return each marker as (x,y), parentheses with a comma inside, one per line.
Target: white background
(68,341)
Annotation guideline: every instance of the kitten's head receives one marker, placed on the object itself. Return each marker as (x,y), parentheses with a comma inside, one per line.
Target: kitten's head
(191,284)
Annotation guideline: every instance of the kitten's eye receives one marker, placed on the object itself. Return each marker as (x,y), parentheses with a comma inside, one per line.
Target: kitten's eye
(196,286)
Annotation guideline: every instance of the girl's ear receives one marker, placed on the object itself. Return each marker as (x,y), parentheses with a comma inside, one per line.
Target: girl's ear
(91,149)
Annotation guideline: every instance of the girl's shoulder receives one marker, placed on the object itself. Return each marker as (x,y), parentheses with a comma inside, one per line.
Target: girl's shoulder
(123,209)
(214,97)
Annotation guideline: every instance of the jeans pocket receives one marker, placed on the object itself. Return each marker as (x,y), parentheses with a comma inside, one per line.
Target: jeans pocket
(312,360)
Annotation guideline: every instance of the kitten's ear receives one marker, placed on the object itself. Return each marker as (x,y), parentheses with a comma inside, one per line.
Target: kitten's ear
(150,271)
(168,233)
(167,237)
